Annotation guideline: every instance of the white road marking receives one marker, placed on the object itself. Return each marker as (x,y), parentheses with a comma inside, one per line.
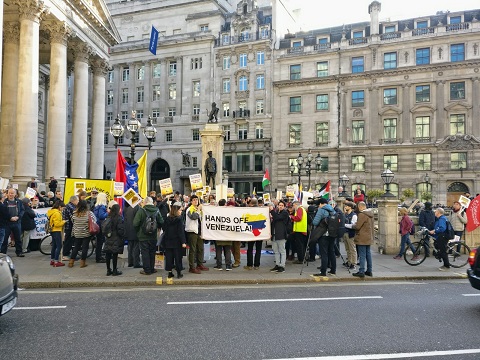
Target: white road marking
(271,300)
(39,307)
(390,356)
(471,294)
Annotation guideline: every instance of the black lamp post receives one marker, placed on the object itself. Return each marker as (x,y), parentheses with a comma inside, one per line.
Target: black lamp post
(133,126)
(343,181)
(387,177)
(307,167)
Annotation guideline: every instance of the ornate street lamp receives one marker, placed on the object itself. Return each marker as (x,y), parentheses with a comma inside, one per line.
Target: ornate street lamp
(387,177)
(343,181)
(306,165)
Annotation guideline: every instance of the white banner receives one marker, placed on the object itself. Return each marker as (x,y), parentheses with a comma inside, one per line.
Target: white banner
(229,223)
(40,221)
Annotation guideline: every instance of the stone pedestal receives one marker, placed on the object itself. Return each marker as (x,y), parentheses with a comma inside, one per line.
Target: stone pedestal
(388,236)
(340,200)
(212,140)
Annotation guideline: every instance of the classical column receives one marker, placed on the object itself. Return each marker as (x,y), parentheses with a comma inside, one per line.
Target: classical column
(374,125)
(179,102)
(100,69)
(406,126)
(437,126)
(57,100)
(27,92)
(147,90)
(343,139)
(1,45)
(80,112)
(474,126)
(11,34)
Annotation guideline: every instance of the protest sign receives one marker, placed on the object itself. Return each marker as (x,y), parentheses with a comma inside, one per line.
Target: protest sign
(30,193)
(290,191)
(166,187)
(196,181)
(230,193)
(118,188)
(131,197)
(40,221)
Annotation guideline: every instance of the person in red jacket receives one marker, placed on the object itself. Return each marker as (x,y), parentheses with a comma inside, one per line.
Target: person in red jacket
(358,196)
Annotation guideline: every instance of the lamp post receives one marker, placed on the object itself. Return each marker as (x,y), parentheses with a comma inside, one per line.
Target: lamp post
(343,181)
(133,126)
(307,167)
(387,177)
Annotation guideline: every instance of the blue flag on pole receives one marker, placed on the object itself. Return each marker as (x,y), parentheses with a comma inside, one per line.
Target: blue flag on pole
(153,41)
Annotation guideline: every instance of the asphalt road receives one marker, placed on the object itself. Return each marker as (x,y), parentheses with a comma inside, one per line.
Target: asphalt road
(247,322)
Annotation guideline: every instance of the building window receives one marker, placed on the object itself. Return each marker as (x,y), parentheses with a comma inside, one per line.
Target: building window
(227,162)
(422,93)
(390,60)
(455,19)
(124,96)
(297,44)
(358,131)
(156,70)
(258,131)
(172,111)
(110,76)
(196,63)
(295,135)
(294,162)
(322,102)
(422,24)
(259,105)
(172,68)
(243,83)
(226,86)
(168,136)
(194,161)
(244,35)
(422,128)
(322,68)
(196,88)
(172,91)
(136,138)
(242,131)
(389,29)
(390,96)
(295,72)
(139,115)
(226,109)
(243,60)
(109,97)
(226,132)
(358,64)
(457,124)
(125,73)
(195,134)
(109,117)
(196,109)
(105,139)
(260,57)
(390,130)
(321,134)
(226,62)
(422,56)
(204,28)
(260,82)
(457,90)
(457,52)
(141,73)
(295,104)
(258,162)
(140,94)
(156,93)
(124,115)
(358,98)
(323,41)
(264,32)
(155,115)
(458,161)
(358,163)
(243,162)
(225,39)
(390,162)
(423,162)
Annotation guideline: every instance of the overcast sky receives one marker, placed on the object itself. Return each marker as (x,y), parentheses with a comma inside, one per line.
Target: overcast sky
(320,14)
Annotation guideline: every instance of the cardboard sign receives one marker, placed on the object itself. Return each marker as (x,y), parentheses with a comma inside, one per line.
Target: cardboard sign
(207,190)
(279,195)
(196,182)
(166,187)
(266,198)
(79,187)
(230,193)
(15,186)
(132,198)
(3,183)
(118,188)
(290,191)
(30,193)
(464,201)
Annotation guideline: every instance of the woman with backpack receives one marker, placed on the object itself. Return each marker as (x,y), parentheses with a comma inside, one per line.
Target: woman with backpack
(406,225)
(113,229)
(100,212)
(56,221)
(81,233)
(174,240)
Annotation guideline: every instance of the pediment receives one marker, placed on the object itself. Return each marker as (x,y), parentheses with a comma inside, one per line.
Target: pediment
(423,109)
(458,106)
(390,110)
(459,142)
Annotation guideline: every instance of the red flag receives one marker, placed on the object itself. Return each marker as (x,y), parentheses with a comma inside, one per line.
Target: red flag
(473,214)
(120,171)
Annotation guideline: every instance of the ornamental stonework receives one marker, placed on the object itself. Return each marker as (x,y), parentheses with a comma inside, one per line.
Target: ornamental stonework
(59,32)
(459,142)
(32,10)
(11,32)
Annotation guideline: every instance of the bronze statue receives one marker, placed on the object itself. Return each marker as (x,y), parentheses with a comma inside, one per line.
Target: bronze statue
(213,114)
(210,169)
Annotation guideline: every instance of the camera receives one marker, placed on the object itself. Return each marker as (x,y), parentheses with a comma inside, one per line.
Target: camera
(313,201)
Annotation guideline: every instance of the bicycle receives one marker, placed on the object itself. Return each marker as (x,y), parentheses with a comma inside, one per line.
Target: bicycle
(457,251)
(45,246)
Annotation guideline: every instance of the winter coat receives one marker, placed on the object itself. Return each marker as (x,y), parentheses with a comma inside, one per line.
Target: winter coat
(80,224)
(364,228)
(174,232)
(56,219)
(114,243)
(279,224)
(101,213)
(141,217)
(322,213)
(4,215)
(128,216)
(458,220)
(427,219)
(405,225)
(358,197)
(28,219)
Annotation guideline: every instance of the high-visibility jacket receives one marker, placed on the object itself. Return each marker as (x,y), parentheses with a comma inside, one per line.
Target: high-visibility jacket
(301,226)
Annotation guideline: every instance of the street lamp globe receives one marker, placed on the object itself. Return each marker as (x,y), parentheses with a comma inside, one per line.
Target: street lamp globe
(116,129)
(149,131)
(300,159)
(387,177)
(318,161)
(133,125)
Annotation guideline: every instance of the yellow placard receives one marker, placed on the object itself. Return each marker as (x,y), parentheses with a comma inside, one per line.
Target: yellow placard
(118,188)
(132,197)
(230,193)
(290,191)
(166,187)
(74,186)
(196,182)
(266,197)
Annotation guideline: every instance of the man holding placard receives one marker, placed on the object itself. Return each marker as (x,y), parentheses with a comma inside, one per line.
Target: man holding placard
(192,227)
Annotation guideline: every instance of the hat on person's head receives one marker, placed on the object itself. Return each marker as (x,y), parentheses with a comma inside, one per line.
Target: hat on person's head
(428,205)
(26,201)
(323,201)
(350,204)
(94,190)
(177,203)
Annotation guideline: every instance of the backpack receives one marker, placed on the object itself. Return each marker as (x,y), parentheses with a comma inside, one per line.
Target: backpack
(412,229)
(449,233)
(107,227)
(335,224)
(48,226)
(150,224)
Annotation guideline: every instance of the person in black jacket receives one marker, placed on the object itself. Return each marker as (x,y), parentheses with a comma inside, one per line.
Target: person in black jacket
(174,240)
(280,219)
(15,214)
(114,230)
(4,216)
(131,236)
(28,224)
(427,219)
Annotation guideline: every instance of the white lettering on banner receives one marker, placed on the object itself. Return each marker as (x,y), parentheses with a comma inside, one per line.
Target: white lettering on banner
(40,221)
(235,224)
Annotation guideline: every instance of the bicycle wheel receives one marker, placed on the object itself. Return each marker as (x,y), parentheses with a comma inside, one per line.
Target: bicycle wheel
(418,256)
(458,258)
(45,246)
(91,247)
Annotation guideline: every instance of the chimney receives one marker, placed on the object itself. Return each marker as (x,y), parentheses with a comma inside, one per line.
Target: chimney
(374,11)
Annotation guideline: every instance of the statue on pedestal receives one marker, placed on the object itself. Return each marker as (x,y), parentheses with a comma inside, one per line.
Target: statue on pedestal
(210,169)
(213,114)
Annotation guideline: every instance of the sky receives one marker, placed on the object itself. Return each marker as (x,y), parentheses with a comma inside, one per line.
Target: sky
(320,14)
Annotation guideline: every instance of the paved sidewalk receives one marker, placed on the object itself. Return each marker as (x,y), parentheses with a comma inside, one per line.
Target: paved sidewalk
(35,272)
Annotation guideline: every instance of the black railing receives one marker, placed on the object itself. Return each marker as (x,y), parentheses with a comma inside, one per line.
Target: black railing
(242,113)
